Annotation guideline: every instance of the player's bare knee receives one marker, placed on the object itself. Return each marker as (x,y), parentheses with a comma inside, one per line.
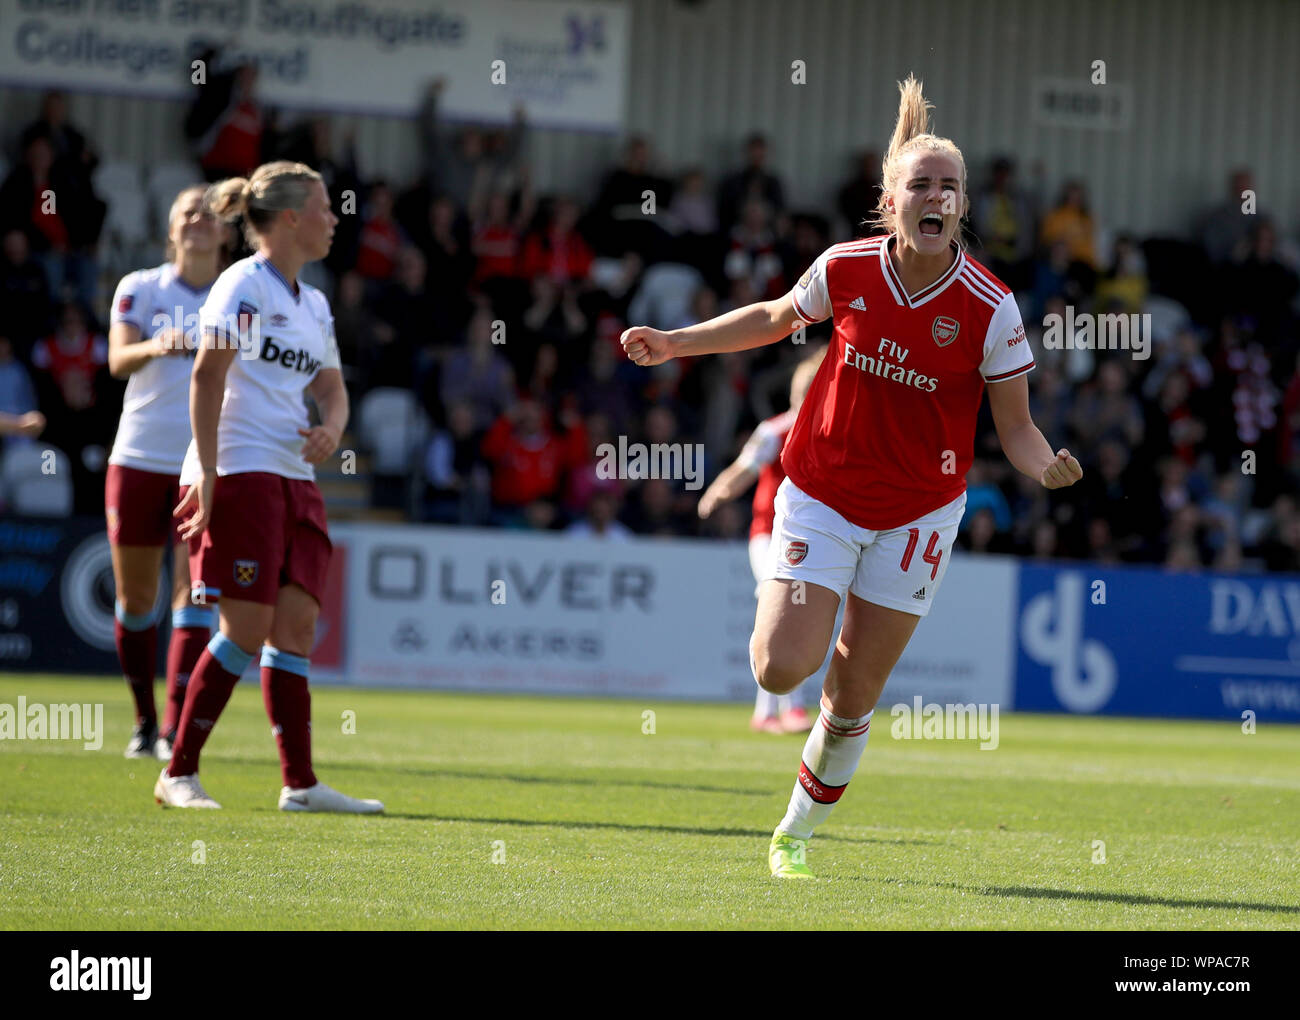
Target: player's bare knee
(294,636)
(780,674)
(136,601)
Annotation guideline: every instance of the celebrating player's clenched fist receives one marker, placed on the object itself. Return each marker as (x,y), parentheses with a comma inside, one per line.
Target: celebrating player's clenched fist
(647,347)
(1063,471)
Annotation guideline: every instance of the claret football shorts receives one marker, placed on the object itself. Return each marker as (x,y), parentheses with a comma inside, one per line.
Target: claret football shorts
(265,532)
(138,507)
(900,568)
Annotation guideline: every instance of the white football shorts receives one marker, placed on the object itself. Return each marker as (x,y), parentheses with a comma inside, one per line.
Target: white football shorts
(901,568)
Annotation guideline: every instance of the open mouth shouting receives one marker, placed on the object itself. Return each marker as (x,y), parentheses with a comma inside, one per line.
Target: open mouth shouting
(931,225)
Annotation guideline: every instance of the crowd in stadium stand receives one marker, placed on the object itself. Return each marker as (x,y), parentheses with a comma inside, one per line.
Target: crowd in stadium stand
(499,311)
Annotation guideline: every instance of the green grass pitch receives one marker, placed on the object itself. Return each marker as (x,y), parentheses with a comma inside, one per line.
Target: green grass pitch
(513,812)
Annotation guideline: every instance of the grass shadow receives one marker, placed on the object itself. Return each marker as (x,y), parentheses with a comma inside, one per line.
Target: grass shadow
(682,830)
(432,773)
(1130,899)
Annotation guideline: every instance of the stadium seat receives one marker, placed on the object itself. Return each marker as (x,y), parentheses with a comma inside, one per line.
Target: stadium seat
(128,218)
(29,488)
(394,428)
(115,178)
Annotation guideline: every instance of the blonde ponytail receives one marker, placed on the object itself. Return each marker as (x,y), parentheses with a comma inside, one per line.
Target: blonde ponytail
(228,199)
(273,188)
(912,133)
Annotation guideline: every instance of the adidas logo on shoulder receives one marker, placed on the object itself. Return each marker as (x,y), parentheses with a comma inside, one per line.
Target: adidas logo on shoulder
(920,594)
(858,303)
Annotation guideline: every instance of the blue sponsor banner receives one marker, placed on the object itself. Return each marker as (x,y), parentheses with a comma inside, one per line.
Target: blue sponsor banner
(1146,642)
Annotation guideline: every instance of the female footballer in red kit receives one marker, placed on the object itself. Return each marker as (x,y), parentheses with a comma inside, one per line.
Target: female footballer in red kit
(267,338)
(877,459)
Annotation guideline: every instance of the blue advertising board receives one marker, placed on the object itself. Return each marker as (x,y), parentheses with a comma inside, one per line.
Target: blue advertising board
(1148,642)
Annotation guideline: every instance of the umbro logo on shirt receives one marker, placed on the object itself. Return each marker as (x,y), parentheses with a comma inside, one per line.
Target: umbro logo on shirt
(858,303)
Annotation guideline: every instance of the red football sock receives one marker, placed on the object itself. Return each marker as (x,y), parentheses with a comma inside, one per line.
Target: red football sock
(210,687)
(183,651)
(137,650)
(288,706)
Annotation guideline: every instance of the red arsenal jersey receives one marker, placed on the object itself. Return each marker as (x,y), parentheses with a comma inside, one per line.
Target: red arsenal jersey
(762,453)
(887,431)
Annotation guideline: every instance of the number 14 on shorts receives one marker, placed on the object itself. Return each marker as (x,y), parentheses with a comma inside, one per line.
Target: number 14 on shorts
(932,555)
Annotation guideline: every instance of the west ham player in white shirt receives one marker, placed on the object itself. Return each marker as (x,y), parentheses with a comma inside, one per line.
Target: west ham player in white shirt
(268,339)
(877,458)
(760,461)
(152,339)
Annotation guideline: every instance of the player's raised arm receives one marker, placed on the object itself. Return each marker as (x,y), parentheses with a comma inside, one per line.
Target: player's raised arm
(756,325)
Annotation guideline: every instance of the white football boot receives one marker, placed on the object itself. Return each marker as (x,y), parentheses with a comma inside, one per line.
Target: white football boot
(181,791)
(325,798)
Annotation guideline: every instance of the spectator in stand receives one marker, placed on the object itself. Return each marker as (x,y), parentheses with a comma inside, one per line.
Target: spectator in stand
(503,168)
(1124,284)
(1071,222)
(860,195)
(17,398)
(618,224)
(1224,231)
(71,149)
(1116,495)
(497,247)
(1106,410)
(456,478)
(651,510)
(982,535)
(585,478)
(693,214)
(754,253)
(555,249)
(604,390)
(478,375)
(1003,219)
(1261,288)
(1224,512)
(358,330)
(1280,547)
(78,396)
(442,235)
(24,293)
(413,319)
(52,204)
(467,164)
(381,238)
(225,122)
(752,181)
(601,519)
(1182,356)
(1046,541)
(982,495)
(530,462)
